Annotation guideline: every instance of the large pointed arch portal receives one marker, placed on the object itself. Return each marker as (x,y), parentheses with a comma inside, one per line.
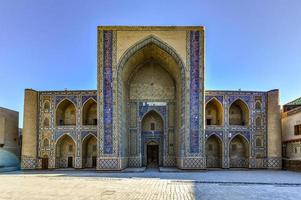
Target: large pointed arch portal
(150,72)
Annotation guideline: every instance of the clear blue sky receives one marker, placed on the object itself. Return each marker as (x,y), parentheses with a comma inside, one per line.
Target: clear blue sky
(51,44)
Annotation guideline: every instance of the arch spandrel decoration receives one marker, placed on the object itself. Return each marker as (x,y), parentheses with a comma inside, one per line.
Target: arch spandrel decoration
(145,108)
(84,134)
(219,134)
(59,134)
(246,99)
(59,99)
(144,42)
(244,134)
(219,98)
(87,97)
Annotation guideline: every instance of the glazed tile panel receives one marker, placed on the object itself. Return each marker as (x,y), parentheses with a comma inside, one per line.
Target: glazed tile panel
(194,90)
(107,92)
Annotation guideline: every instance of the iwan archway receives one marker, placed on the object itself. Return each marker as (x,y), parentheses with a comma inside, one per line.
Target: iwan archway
(150,78)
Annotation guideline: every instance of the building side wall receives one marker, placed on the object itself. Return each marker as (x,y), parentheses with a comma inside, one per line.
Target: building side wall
(2,129)
(291,143)
(274,130)
(288,122)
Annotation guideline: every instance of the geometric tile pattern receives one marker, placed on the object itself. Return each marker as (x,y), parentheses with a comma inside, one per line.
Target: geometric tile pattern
(134,161)
(194,163)
(59,99)
(239,162)
(86,97)
(194,91)
(108,163)
(107,92)
(169,161)
(274,163)
(28,162)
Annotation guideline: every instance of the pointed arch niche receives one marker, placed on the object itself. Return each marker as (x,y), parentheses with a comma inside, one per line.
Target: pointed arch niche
(66,113)
(214,113)
(89,112)
(239,152)
(239,113)
(65,152)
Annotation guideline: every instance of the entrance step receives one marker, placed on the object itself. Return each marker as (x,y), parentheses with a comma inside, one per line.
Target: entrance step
(139,169)
(169,169)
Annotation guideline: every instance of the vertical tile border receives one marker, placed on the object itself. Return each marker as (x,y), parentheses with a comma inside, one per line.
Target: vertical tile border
(107,92)
(194,91)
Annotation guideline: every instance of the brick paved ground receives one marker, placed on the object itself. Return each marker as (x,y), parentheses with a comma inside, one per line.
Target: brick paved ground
(40,185)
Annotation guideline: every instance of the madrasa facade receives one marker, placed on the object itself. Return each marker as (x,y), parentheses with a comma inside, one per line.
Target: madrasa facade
(151,109)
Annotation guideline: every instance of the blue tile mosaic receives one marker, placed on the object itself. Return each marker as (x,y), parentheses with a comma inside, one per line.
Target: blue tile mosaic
(219,98)
(194,91)
(86,97)
(145,107)
(85,133)
(107,92)
(58,99)
(246,99)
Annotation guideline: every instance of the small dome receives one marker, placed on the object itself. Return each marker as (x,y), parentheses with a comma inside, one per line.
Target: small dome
(8,159)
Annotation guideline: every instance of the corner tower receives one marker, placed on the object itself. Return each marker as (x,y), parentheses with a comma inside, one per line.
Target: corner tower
(150,93)
(274,131)
(30,130)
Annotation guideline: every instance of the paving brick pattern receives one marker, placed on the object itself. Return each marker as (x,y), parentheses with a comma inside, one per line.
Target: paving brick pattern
(77,185)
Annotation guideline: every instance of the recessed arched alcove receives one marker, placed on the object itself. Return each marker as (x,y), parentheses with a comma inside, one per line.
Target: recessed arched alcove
(150,71)
(239,113)
(89,113)
(65,113)
(89,151)
(239,152)
(214,149)
(65,152)
(214,113)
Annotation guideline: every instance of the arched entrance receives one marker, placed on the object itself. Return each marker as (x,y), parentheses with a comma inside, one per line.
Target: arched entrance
(214,152)
(65,152)
(152,153)
(150,72)
(239,152)
(152,140)
(89,152)
(45,161)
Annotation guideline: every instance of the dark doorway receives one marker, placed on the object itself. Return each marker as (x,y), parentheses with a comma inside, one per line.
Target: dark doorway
(94,161)
(70,162)
(45,163)
(152,155)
